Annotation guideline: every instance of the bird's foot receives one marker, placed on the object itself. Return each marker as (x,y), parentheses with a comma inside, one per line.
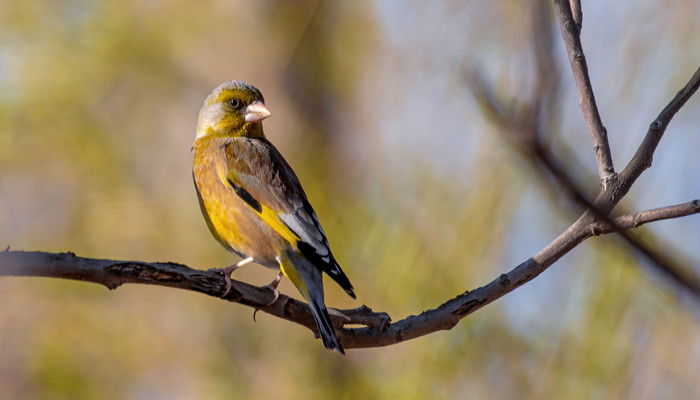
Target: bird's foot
(273,287)
(228,271)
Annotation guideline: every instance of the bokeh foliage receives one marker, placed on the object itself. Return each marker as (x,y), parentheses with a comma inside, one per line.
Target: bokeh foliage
(421,200)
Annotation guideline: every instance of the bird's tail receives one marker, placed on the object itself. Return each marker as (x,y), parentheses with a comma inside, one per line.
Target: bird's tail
(307,279)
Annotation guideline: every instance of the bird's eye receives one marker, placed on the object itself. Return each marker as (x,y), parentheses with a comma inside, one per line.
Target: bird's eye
(235,103)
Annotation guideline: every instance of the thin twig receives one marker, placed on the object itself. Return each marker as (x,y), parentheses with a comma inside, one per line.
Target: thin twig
(644,217)
(527,137)
(667,265)
(572,39)
(577,13)
(645,153)
(598,211)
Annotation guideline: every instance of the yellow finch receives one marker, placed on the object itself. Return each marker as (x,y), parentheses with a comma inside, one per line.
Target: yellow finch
(253,202)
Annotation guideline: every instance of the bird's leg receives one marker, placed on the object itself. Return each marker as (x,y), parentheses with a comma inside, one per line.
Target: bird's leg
(229,270)
(273,286)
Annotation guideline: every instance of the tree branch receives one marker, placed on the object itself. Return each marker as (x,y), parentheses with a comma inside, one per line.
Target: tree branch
(570,31)
(525,131)
(597,212)
(377,329)
(645,217)
(114,273)
(667,265)
(645,153)
(577,13)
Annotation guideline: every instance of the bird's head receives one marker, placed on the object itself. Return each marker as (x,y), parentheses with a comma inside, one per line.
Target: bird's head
(234,108)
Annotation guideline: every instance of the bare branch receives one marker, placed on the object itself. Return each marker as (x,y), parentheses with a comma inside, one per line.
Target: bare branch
(572,38)
(114,273)
(526,135)
(577,13)
(645,217)
(377,330)
(597,212)
(615,187)
(643,157)
(670,268)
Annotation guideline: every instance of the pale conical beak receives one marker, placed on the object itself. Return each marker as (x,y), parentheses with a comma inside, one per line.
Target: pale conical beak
(256,112)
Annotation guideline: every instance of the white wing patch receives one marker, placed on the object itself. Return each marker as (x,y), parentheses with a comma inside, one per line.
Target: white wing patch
(304,223)
(311,233)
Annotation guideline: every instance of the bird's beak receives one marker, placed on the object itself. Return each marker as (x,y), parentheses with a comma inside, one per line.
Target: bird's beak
(256,112)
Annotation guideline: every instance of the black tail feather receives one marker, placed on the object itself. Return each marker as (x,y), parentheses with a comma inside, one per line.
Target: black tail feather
(325,327)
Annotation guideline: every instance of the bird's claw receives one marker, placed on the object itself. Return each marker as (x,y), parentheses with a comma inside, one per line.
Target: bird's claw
(275,292)
(227,276)
(273,287)
(228,271)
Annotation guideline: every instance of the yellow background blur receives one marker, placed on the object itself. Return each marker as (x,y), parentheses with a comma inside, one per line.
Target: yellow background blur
(420,197)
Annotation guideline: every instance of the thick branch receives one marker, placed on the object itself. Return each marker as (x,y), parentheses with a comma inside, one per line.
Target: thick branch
(114,273)
(572,38)
(377,330)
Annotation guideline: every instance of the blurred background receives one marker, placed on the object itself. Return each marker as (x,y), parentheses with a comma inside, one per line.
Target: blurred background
(420,195)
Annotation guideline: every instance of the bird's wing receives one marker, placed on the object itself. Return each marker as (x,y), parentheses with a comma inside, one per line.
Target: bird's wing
(260,176)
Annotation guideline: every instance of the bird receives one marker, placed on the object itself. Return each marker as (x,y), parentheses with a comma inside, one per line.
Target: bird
(254,204)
